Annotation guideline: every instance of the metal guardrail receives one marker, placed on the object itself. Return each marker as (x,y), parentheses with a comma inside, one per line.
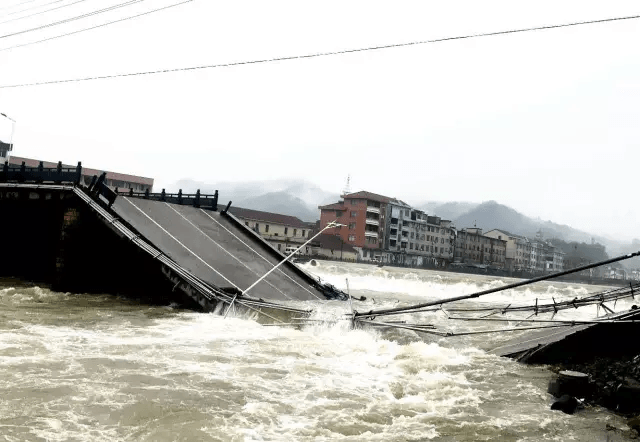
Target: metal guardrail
(40,174)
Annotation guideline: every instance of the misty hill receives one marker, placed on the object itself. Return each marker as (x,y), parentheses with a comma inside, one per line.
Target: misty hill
(289,197)
(581,253)
(491,215)
(280,202)
(449,210)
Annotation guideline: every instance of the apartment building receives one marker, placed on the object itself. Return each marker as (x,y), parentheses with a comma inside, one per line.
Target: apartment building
(553,258)
(519,255)
(363,215)
(388,230)
(471,246)
(417,239)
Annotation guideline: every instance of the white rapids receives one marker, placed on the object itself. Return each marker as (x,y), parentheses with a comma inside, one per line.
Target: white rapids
(85,367)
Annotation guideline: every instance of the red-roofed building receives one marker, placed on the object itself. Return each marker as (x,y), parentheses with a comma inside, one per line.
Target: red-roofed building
(281,231)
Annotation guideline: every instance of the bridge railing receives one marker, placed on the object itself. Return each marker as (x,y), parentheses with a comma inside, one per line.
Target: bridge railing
(193,199)
(40,174)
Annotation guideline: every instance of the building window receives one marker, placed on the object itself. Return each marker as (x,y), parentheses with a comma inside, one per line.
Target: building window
(410,246)
(246,223)
(295,231)
(257,227)
(266,228)
(279,246)
(286,230)
(352,226)
(352,237)
(354,202)
(303,233)
(354,214)
(338,213)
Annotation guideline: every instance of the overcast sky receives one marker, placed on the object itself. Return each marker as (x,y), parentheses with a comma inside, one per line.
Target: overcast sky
(546,122)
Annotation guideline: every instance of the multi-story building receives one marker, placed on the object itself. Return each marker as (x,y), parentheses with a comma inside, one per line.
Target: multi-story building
(518,250)
(281,231)
(553,258)
(416,239)
(537,255)
(388,230)
(471,246)
(363,215)
(114,180)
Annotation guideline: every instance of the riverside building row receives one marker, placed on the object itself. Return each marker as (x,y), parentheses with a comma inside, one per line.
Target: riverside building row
(388,230)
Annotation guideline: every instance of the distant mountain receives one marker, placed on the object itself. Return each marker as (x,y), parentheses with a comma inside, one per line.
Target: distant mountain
(280,202)
(449,210)
(492,215)
(289,197)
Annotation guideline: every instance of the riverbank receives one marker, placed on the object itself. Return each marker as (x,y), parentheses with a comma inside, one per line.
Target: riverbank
(486,271)
(614,383)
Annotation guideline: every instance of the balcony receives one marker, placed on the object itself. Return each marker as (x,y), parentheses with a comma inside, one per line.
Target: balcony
(404,239)
(405,227)
(373,210)
(373,222)
(372,234)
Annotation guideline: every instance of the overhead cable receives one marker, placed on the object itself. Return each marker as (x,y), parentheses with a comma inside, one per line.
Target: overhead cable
(95,27)
(408,309)
(41,12)
(17,4)
(32,7)
(323,54)
(67,20)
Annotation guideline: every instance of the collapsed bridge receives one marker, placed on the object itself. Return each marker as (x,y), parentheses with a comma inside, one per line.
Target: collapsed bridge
(159,247)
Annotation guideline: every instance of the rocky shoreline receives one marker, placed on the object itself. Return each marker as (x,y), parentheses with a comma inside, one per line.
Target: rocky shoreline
(613,383)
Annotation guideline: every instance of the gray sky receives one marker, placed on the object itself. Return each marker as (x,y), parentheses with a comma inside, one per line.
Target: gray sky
(545,122)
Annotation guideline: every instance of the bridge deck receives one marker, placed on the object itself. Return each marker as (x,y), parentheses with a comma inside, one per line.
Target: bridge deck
(580,341)
(213,248)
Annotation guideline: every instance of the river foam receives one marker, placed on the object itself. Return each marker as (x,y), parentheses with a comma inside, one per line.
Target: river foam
(81,367)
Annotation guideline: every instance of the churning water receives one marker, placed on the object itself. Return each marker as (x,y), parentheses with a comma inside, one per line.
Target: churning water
(84,367)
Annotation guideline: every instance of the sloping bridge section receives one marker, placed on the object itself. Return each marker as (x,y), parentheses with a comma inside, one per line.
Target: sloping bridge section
(217,248)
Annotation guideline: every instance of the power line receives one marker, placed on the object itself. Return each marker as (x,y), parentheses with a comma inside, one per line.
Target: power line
(324,54)
(67,20)
(17,4)
(97,26)
(41,12)
(33,7)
